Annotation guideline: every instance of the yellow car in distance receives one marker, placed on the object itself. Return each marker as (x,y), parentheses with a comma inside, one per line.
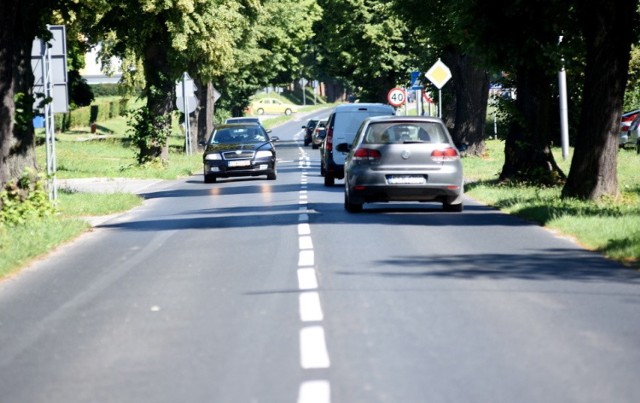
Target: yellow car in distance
(272,106)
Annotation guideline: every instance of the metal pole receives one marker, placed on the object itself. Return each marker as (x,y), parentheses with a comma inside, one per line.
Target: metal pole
(564,113)
(440,103)
(49,123)
(564,109)
(406,101)
(187,123)
(304,96)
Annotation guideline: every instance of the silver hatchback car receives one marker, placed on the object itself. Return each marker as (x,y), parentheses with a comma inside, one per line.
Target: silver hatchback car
(403,158)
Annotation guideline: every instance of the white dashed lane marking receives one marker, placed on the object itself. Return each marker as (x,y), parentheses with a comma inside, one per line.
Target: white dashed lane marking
(313,347)
(307,279)
(310,309)
(314,392)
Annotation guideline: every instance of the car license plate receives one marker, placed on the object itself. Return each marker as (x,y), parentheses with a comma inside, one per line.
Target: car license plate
(406,180)
(240,163)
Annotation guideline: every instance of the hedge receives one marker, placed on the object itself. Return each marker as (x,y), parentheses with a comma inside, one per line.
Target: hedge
(99,111)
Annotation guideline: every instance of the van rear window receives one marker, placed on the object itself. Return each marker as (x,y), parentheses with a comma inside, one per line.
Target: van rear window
(350,122)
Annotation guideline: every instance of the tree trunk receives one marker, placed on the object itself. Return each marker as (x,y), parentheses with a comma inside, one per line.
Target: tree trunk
(469,87)
(528,155)
(608,31)
(205,111)
(18,29)
(160,91)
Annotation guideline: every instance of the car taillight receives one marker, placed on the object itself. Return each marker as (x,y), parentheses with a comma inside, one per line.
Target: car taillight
(365,154)
(626,122)
(328,145)
(447,154)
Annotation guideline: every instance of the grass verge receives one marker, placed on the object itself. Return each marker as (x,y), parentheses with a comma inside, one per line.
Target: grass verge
(21,244)
(609,226)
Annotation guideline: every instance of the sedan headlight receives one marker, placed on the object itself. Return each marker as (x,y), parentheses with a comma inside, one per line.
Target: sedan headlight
(263,154)
(213,157)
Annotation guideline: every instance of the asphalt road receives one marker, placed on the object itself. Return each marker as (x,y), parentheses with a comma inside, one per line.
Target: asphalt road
(251,290)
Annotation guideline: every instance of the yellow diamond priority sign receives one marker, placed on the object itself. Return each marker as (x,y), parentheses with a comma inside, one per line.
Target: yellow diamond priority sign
(438,74)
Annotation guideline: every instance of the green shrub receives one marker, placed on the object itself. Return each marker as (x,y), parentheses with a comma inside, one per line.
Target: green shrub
(24,200)
(106,90)
(149,133)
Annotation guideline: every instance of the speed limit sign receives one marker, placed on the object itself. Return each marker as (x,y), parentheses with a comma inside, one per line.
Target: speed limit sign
(396,97)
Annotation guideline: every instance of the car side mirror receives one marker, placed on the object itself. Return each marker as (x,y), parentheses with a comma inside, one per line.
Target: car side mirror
(343,147)
(275,138)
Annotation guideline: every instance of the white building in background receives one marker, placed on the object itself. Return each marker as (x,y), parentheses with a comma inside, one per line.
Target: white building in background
(93,72)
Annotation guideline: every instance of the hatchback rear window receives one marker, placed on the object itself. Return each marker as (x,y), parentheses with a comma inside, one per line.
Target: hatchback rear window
(404,132)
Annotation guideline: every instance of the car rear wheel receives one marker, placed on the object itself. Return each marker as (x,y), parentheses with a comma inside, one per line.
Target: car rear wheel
(329,180)
(260,111)
(349,204)
(209,179)
(287,112)
(638,147)
(454,208)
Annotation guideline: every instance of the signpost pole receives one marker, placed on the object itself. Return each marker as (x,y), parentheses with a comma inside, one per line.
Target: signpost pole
(439,74)
(187,123)
(187,102)
(49,122)
(406,107)
(564,109)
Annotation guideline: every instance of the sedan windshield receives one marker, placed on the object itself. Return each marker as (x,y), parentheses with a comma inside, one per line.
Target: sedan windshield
(238,135)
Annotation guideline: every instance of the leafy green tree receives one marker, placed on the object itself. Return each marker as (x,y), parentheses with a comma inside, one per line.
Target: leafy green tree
(520,38)
(21,21)
(632,93)
(271,53)
(609,29)
(366,44)
(168,38)
(465,95)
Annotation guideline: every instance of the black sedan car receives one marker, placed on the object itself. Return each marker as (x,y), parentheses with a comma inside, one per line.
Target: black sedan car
(239,149)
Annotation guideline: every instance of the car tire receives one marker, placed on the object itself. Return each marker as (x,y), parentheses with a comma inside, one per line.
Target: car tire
(452,208)
(349,204)
(329,180)
(209,179)
(260,111)
(322,170)
(272,175)
(314,146)
(638,147)
(288,112)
